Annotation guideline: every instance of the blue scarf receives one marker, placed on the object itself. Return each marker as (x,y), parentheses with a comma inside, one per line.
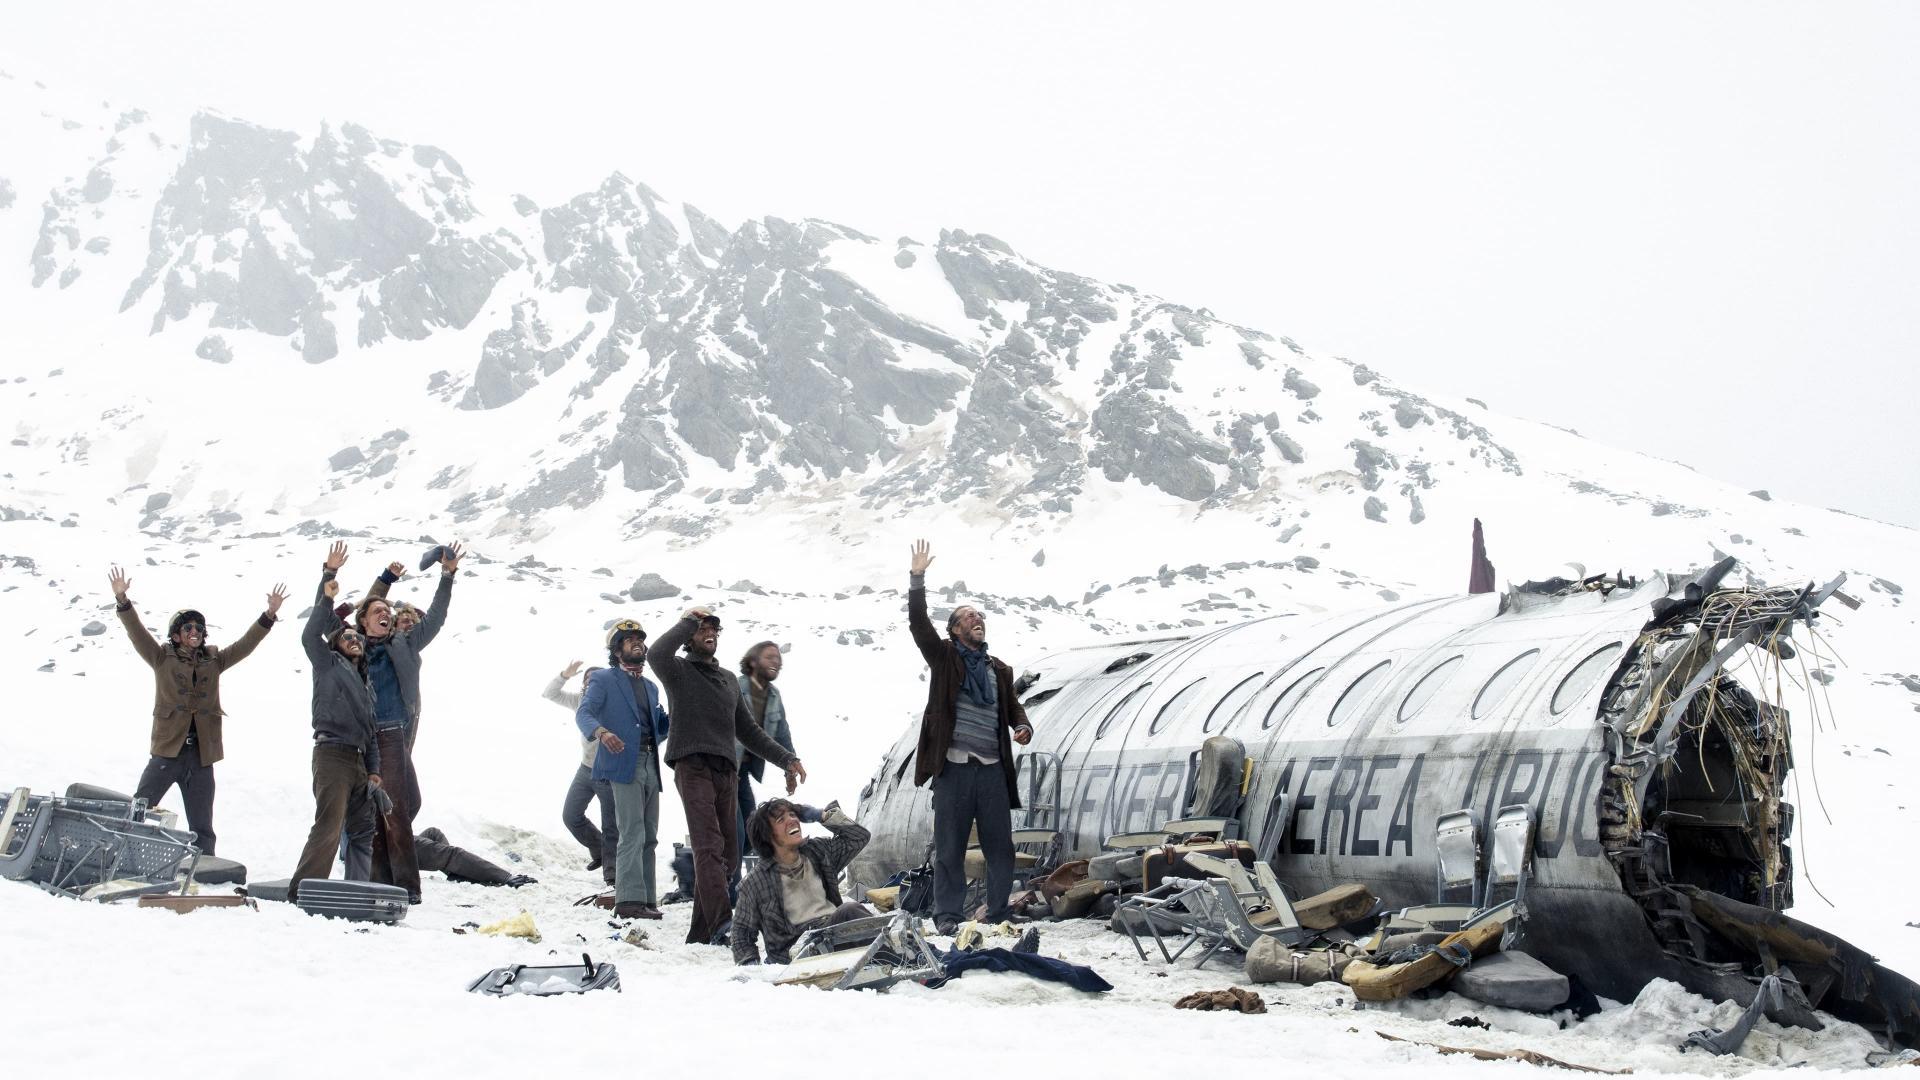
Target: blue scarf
(978,684)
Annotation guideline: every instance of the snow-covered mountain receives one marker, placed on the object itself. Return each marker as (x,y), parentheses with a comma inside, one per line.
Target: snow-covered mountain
(223,345)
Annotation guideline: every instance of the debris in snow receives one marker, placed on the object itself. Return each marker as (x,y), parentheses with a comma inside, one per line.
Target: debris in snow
(1232,999)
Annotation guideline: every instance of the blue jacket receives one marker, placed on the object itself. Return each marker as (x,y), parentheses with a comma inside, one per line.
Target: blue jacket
(774,724)
(609,703)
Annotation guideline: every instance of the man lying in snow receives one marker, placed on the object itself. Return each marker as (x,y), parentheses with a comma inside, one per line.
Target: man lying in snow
(796,888)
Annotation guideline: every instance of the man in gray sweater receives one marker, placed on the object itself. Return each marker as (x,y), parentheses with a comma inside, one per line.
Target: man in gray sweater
(711,721)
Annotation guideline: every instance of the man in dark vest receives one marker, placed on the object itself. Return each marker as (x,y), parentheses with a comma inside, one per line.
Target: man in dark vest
(967,734)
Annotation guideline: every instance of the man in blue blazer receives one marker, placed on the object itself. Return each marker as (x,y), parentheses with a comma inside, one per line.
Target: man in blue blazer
(621,709)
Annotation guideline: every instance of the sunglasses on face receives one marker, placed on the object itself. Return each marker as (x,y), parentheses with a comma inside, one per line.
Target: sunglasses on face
(192,628)
(350,638)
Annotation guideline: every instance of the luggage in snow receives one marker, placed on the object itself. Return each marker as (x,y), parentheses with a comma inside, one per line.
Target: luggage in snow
(1513,980)
(547,980)
(361,901)
(1377,981)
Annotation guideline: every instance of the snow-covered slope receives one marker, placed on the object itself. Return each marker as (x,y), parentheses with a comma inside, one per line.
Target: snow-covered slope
(225,346)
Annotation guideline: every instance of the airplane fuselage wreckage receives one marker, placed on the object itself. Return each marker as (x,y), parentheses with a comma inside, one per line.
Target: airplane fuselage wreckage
(1638,721)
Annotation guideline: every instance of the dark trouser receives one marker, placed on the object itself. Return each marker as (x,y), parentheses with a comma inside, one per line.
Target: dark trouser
(339,797)
(962,795)
(740,833)
(393,858)
(196,789)
(710,794)
(603,842)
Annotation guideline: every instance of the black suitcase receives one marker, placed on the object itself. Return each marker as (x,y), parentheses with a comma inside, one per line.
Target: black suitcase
(546,981)
(361,901)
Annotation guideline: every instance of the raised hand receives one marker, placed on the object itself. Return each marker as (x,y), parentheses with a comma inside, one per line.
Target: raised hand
(396,571)
(450,559)
(337,555)
(695,613)
(571,670)
(796,775)
(275,598)
(117,578)
(331,588)
(922,557)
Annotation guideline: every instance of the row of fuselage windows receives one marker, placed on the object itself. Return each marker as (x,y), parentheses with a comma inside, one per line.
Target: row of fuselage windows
(1232,707)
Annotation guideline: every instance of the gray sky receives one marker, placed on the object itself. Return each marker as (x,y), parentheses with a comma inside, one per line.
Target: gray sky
(1693,230)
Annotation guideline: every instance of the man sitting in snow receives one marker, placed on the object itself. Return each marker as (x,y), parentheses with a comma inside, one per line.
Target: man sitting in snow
(796,888)
(186,701)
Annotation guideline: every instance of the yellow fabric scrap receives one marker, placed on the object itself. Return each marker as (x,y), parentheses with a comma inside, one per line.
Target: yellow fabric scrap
(520,926)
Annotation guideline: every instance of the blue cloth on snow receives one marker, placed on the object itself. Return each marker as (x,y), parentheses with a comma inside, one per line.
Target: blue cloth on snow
(958,962)
(978,683)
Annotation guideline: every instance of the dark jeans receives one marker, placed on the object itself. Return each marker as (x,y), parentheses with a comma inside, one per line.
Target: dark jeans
(196,789)
(710,793)
(339,797)
(740,834)
(603,842)
(394,862)
(963,795)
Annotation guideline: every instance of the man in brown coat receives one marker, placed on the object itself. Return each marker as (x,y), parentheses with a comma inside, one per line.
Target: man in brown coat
(966,750)
(186,701)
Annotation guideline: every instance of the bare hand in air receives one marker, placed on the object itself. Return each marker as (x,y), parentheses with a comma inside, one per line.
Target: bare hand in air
(450,559)
(337,555)
(571,670)
(396,571)
(922,557)
(119,580)
(331,588)
(275,598)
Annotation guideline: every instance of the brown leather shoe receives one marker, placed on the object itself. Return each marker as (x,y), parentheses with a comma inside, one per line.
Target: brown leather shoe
(649,912)
(632,909)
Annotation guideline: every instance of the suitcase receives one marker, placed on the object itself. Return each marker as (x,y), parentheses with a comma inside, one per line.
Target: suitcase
(548,980)
(361,901)
(1512,980)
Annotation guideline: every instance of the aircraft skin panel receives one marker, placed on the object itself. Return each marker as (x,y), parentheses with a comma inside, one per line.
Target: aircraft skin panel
(1363,797)
(1363,728)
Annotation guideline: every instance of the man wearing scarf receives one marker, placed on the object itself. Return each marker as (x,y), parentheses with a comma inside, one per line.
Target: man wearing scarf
(966,750)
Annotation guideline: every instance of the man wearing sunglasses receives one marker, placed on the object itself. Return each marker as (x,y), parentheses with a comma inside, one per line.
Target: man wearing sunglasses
(186,742)
(711,724)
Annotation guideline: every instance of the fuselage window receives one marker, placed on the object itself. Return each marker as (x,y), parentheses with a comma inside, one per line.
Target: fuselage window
(1503,682)
(1229,708)
(1171,710)
(1128,661)
(1044,695)
(1107,722)
(905,764)
(1356,694)
(1581,678)
(1289,698)
(1429,685)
